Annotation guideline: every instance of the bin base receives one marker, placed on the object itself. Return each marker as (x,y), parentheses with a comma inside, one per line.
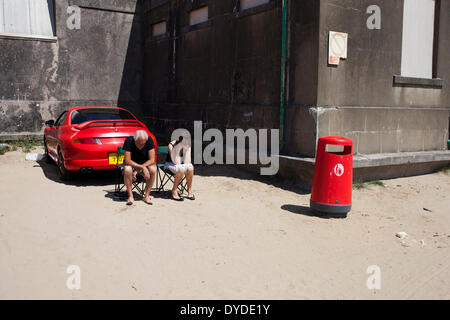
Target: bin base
(328,208)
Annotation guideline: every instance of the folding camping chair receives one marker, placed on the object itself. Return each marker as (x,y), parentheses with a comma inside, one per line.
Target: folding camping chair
(165,175)
(138,185)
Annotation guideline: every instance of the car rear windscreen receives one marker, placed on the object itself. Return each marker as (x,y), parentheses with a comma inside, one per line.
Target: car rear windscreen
(83,115)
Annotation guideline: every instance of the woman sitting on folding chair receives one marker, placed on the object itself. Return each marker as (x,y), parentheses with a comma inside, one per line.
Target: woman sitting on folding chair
(179,162)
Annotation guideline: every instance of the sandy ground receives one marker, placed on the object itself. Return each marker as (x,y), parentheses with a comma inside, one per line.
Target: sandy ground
(241,239)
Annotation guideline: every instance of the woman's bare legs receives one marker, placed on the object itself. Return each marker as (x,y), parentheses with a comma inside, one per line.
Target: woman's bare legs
(189,179)
(178,177)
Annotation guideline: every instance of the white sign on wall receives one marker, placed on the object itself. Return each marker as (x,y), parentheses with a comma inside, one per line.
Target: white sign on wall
(337,47)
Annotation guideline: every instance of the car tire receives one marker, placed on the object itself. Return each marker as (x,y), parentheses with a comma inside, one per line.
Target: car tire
(47,157)
(63,173)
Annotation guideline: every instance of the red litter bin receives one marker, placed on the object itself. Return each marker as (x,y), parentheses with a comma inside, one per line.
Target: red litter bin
(333,176)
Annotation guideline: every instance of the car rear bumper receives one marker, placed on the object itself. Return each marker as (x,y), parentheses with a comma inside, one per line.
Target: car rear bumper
(100,164)
(89,156)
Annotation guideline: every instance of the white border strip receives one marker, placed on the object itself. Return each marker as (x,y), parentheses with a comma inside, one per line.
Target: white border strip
(19,36)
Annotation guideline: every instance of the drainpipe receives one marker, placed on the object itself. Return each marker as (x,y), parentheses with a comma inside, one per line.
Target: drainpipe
(283,70)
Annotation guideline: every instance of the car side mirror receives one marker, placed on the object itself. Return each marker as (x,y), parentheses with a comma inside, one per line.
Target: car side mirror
(50,123)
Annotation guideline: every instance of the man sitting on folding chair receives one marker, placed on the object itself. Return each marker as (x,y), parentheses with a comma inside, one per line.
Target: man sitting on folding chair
(179,162)
(139,158)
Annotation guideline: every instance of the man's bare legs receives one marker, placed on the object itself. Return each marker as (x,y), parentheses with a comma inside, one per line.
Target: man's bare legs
(189,178)
(150,180)
(128,178)
(178,177)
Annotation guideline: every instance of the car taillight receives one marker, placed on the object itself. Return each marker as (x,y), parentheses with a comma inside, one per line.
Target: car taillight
(87,141)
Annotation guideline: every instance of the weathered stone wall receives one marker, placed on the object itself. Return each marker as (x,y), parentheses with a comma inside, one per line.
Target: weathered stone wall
(225,72)
(359,99)
(301,120)
(99,64)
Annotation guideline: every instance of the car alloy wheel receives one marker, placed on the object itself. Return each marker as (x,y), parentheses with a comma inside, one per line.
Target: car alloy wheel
(47,156)
(63,173)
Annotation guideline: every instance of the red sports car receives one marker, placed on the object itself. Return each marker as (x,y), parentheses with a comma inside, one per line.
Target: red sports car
(86,138)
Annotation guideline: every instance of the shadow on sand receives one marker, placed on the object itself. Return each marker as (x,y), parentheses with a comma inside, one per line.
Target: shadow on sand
(306,211)
(108,180)
(97,178)
(237,172)
(122,196)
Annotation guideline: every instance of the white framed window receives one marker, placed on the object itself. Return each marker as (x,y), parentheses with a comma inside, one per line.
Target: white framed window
(247,4)
(159,28)
(27,18)
(418,38)
(198,16)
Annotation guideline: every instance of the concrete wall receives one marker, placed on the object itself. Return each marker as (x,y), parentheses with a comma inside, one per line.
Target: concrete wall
(301,122)
(359,98)
(225,72)
(100,64)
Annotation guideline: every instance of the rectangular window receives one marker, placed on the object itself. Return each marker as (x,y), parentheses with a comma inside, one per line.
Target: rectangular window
(247,4)
(418,38)
(27,17)
(159,29)
(198,16)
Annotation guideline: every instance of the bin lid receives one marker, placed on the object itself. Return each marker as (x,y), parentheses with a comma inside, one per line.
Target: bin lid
(336,140)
